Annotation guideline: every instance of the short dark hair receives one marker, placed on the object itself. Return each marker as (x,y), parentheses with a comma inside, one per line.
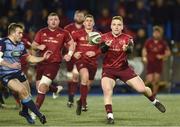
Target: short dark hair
(12,27)
(117,18)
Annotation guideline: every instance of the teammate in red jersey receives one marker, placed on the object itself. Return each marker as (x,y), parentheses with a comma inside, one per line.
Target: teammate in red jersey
(86,61)
(155,51)
(115,66)
(51,38)
(72,74)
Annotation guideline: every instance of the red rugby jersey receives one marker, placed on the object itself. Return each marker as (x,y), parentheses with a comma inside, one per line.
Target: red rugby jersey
(54,41)
(81,38)
(116,58)
(153,49)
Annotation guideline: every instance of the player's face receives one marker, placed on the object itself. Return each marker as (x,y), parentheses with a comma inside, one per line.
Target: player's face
(88,23)
(18,34)
(157,35)
(53,22)
(116,26)
(79,18)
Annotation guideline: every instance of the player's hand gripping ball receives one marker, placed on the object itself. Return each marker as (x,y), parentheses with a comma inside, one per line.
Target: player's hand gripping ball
(94,38)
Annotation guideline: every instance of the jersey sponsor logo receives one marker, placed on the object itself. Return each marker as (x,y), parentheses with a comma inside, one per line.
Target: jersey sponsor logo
(115,49)
(86,45)
(16,54)
(50,41)
(51,38)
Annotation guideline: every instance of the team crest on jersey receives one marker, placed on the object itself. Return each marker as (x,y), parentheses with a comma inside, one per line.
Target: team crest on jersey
(44,34)
(16,53)
(122,41)
(82,38)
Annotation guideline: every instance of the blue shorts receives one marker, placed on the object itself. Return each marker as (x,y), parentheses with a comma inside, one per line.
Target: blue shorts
(18,75)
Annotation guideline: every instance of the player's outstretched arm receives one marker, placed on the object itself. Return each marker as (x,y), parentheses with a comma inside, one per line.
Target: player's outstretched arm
(35,59)
(36,46)
(104,46)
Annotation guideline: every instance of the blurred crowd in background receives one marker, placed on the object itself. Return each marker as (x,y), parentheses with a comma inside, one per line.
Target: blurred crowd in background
(139,15)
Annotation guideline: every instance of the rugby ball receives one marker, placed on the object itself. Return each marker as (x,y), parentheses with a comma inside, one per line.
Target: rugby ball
(94,38)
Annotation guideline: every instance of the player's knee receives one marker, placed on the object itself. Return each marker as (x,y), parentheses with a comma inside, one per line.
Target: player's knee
(141,90)
(23,92)
(156,81)
(85,80)
(43,89)
(149,79)
(45,80)
(44,84)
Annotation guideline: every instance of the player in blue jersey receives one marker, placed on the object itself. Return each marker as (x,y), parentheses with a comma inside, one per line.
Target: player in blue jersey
(12,50)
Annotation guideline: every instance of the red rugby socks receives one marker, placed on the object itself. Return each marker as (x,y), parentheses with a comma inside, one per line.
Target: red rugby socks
(108,108)
(40,99)
(83,92)
(72,88)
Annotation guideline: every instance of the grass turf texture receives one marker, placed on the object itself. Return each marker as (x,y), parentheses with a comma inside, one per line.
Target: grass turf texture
(128,111)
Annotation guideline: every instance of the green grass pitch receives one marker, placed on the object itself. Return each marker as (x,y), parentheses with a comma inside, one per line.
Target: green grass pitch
(128,110)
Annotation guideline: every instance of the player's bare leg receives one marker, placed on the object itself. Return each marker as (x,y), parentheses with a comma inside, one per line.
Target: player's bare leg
(107,86)
(138,84)
(26,101)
